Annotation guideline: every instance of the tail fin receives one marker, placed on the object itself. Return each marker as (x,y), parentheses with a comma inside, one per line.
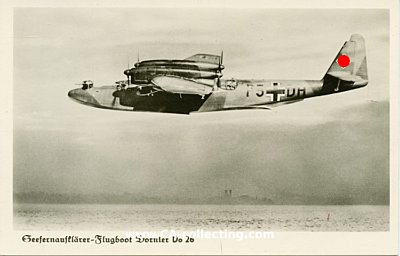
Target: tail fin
(349,66)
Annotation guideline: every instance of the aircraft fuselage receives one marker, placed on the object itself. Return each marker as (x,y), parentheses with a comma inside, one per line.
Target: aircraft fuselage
(244,94)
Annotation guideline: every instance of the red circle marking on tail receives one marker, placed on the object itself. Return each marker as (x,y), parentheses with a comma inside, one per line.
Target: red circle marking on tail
(343,61)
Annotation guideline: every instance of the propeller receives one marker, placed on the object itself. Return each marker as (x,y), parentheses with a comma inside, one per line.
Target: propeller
(220,68)
(138,60)
(113,102)
(127,74)
(116,94)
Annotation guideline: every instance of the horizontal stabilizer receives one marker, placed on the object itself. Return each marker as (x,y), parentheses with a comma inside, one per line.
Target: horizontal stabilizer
(345,76)
(181,86)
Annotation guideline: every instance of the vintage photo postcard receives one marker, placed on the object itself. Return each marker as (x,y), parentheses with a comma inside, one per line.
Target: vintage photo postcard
(199,127)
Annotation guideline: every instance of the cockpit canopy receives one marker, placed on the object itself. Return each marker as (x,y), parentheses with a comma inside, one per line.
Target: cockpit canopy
(87,84)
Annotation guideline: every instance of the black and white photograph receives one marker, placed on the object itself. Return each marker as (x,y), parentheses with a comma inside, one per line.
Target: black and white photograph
(171,127)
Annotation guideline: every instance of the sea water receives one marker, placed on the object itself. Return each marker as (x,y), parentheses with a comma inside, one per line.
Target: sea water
(60,217)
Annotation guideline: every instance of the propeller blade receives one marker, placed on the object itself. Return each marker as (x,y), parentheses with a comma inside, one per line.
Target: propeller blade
(217,82)
(125,72)
(220,67)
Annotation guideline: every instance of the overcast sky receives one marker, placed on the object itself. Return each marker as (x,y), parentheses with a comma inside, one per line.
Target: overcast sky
(333,145)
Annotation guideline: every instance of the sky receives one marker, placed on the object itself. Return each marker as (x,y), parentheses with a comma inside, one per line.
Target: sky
(333,147)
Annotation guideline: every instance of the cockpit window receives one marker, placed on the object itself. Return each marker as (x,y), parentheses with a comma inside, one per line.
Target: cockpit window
(230,84)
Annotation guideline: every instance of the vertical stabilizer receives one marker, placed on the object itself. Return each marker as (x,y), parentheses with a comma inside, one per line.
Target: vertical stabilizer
(349,68)
(351,59)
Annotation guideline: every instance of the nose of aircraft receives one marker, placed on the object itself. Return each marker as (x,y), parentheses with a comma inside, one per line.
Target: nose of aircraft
(82,96)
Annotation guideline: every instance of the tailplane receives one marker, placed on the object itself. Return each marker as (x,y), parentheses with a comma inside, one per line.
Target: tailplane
(349,69)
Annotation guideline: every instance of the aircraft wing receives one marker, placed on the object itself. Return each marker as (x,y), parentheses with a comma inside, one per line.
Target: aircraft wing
(345,76)
(268,106)
(180,85)
(264,106)
(282,103)
(206,58)
(243,108)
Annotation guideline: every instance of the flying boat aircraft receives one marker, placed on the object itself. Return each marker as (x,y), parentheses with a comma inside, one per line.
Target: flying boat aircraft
(194,84)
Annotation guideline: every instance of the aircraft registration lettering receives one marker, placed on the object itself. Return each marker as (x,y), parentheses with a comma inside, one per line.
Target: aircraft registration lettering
(275,93)
(260,92)
(301,90)
(291,92)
